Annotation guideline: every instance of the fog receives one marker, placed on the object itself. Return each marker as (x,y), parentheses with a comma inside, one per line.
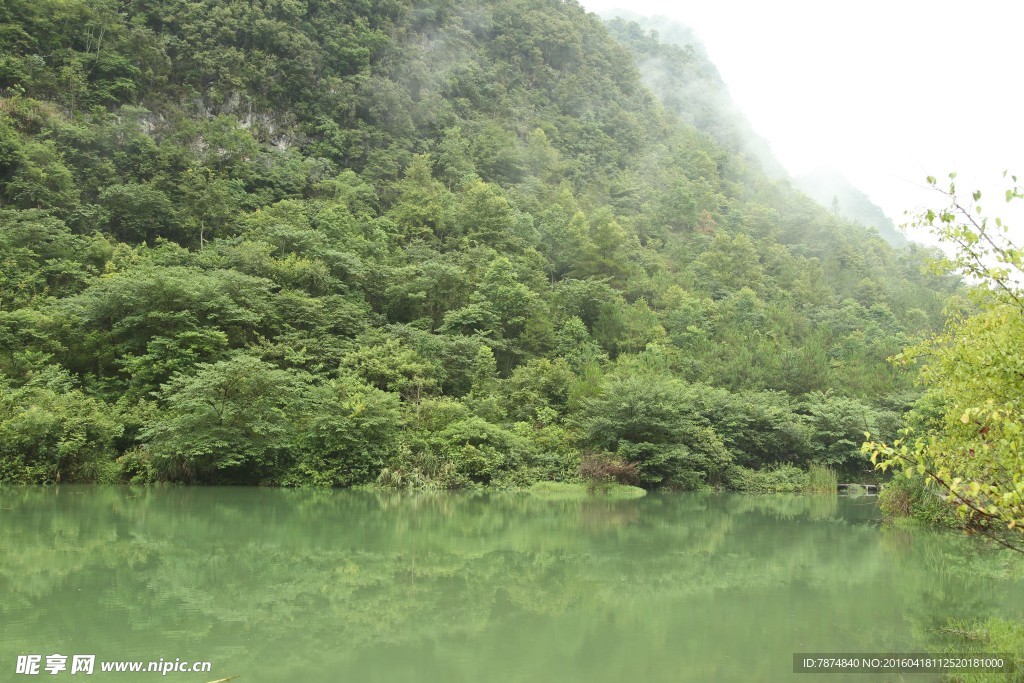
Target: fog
(885,93)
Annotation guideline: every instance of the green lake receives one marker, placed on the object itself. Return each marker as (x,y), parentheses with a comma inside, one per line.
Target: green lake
(328,586)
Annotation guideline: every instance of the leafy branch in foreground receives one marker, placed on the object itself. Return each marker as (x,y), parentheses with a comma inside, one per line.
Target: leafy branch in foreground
(966,433)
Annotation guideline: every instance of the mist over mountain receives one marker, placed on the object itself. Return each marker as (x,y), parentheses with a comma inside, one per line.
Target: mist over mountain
(675,65)
(832,190)
(432,245)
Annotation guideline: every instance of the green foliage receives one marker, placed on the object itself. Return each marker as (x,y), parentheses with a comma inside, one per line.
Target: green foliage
(967,436)
(729,265)
(354,431)
(556,490)
(51,431)
(822,479)
(838,425)
(42,257)
(651,422)
(536,389)
(908,497)
(761,428)
(234,420)
(390,364)
(777,479)
(138,213)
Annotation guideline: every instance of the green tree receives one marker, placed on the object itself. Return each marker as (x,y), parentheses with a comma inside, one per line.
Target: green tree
(729,265)
(654,423)
(354,431)
(234,420)
(139,212)
(422,202)
(50,430)
(967,433)
(390,364)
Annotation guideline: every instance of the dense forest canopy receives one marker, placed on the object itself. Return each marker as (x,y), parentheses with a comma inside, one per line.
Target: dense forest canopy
(439,244)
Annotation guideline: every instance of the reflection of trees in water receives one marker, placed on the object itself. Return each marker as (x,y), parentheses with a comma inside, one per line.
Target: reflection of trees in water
(789,506)
(963,576)
(215,569)
(601,515)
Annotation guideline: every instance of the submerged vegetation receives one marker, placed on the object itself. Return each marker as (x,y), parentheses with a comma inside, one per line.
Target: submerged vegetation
(430,245)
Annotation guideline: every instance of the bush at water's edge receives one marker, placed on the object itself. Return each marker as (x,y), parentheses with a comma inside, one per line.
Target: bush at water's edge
(903,498)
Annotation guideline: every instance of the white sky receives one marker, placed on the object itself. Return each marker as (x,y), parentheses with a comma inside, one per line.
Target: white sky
(885,92)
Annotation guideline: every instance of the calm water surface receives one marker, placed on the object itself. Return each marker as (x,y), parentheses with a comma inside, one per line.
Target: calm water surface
(340,586)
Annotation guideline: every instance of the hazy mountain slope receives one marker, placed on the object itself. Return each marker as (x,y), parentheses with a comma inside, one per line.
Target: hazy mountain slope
(675,65)
(832,190)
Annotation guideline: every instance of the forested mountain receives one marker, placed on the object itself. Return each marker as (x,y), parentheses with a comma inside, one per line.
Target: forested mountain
(446,244)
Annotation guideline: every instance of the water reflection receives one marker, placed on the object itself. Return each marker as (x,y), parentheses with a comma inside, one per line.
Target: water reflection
(324,585)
